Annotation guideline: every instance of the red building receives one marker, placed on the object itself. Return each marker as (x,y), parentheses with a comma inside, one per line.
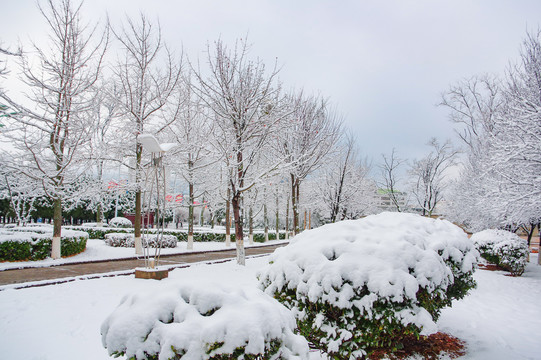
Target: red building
(147,220)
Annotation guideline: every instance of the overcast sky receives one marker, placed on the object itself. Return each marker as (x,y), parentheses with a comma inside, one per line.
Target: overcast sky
(384,64)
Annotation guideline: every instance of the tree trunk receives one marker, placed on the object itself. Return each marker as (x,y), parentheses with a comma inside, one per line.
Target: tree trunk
(251,225)
(57,228)
(294,204)
(530,230)
(228,218)
(138,202)
(190,216)
(99,215)
(287,218)
(239,236)
(202,214)
(266,221)
(277,218)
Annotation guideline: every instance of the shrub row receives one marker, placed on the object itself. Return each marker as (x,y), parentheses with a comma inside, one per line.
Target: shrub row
(100,233)
(22,246)
(502,248)
(128,240)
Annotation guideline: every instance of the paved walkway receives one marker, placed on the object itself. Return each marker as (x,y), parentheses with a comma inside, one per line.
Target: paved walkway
(69,272)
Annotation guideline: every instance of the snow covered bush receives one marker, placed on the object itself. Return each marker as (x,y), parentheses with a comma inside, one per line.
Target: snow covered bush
(194,322)
(128,240)
(120,222)
(34,243)
(357,285)
(503,248)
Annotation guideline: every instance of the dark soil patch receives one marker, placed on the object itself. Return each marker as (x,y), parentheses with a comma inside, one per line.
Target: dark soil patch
(429,347)
(490,267)
(493,267)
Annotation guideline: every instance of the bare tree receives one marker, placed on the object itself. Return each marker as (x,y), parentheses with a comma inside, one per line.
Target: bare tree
(192,130)
(55,124)
(146,85)
(245,103)
(474,105)
(429,175)
(314,130)
(389,178)
(499,184)
(345,187)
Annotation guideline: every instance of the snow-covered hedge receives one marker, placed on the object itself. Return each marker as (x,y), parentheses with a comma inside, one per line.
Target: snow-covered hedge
(34,243)
(362,284)
(503,248)
(197,322)
(120,222)
(128,240)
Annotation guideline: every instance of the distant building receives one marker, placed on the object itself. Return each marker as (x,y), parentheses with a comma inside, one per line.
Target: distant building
(384,201)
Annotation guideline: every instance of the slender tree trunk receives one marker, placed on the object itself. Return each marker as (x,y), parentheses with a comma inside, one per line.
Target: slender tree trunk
(138,202)
(294,204)
(251,225)
(530,231)
(266,221)
(287,218)
(239,236)
(190,216)
(57,228)
(99,215)
(202,214)
(228,218)
(277,218)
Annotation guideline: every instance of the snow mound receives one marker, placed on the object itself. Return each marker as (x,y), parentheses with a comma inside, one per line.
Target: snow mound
(503,248)
(198,322)
(396,266)
(120,222)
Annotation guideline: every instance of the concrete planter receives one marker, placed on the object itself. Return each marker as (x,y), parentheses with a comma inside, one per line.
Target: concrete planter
(156,273)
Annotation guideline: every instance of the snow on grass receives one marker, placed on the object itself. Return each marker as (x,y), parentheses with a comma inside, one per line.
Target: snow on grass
(499,320)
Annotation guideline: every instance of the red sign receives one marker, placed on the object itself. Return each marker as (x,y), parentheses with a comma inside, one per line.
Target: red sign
(178,198)
(168,198)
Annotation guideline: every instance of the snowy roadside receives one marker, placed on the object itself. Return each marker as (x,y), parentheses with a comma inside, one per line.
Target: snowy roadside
(97,250)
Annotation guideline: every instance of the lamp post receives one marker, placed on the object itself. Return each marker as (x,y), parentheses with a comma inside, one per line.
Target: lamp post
(157,151)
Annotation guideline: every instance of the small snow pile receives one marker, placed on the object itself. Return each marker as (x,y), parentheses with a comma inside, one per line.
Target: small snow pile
(120,222)
(503,248)
(361,284)
(196,322)
(150,240)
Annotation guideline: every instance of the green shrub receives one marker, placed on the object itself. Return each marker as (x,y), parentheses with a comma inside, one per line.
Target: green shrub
(128,240)
(202,322)
(15,250)
(359,285)
(21,246)
(503,248)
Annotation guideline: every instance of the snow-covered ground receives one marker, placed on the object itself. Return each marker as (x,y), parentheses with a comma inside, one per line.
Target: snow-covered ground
(498,320)
(97,250)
